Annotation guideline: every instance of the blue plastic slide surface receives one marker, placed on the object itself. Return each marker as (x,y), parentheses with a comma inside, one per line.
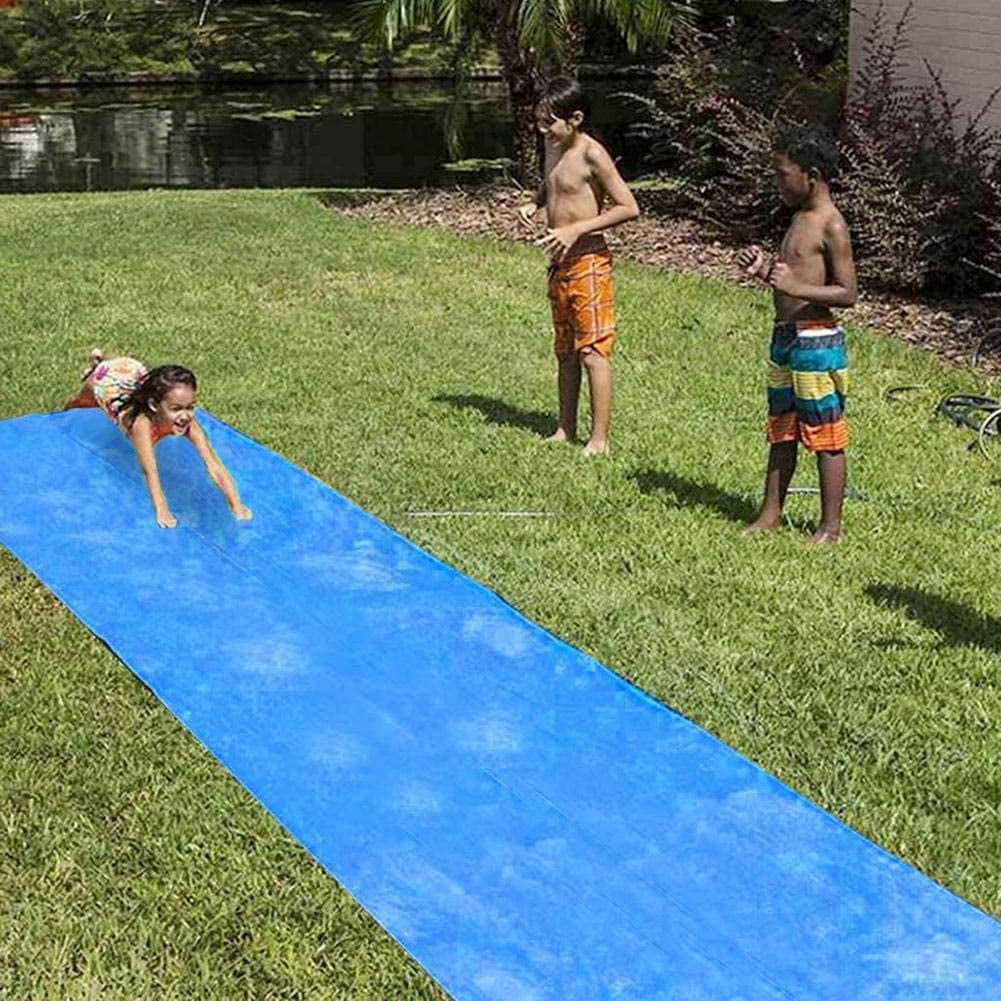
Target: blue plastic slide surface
(525,823)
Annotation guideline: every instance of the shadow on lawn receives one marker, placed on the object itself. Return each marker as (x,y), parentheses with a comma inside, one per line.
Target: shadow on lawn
(957,624)
(692,493)
(499,412)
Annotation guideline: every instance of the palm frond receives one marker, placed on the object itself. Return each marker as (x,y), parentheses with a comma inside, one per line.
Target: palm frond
(641,22)
(390,21)
(543,26)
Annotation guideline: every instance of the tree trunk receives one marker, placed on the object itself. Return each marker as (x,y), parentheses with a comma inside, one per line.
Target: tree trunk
(523,78)
(573,46)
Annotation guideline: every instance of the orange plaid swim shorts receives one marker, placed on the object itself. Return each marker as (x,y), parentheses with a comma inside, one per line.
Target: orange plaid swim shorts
(580,293)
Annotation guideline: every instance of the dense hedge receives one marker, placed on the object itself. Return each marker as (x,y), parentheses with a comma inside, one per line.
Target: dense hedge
(94,39)
(920,184)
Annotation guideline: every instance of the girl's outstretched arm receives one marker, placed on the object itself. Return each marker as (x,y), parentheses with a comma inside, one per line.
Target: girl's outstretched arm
(142,440)
(218,472)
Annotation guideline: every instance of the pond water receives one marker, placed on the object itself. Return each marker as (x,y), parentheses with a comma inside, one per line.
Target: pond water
(384,135)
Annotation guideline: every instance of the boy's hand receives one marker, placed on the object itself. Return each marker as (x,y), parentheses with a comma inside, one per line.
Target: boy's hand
(558,241)
(752,260)
(782,279)
(241,512)
(527,212)
(165,519)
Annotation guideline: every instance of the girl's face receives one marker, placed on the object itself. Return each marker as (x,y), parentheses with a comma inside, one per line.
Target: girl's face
(176,410)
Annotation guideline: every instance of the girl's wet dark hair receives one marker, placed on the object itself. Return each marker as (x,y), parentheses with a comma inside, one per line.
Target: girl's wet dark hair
(562,96)
(154,387)
(810,147)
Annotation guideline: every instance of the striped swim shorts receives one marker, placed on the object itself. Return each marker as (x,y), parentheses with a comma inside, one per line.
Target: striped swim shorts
(807,385)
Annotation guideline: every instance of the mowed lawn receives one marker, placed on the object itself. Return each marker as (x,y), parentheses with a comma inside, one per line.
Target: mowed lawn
(412,371)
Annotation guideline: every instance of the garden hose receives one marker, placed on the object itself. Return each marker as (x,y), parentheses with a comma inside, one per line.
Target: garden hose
(893,393)
(989,428)
(981,414)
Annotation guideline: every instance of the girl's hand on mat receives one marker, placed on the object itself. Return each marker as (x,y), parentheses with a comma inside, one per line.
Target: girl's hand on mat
(527,212)
(782,279)
(165,519)
(241,512)
(558,241)
(752,260)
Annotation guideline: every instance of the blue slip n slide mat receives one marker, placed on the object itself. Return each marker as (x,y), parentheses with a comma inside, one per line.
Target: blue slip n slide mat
(525,823)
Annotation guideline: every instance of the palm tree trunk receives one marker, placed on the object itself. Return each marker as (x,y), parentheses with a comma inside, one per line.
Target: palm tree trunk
(573,46)
(523,78)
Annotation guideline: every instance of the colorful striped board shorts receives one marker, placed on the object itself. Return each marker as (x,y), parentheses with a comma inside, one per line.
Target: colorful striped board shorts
(580,293)
(807,385)
(113,381)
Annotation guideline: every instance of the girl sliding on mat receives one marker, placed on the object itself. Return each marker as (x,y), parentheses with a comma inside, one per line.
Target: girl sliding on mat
(148,406)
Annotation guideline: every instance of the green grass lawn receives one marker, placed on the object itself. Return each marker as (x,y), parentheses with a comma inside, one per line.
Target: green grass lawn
(413,371)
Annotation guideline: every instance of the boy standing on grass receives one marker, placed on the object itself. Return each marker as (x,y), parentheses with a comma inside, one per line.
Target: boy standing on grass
(579,175)
(807,377)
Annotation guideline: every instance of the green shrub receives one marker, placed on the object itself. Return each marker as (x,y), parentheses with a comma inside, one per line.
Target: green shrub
(920,188)
(920,192)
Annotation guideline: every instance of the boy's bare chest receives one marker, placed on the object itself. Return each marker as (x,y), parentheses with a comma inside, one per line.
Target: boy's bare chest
(568,175)
(803,242)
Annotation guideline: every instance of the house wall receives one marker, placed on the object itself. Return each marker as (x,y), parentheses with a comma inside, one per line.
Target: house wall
(961,38)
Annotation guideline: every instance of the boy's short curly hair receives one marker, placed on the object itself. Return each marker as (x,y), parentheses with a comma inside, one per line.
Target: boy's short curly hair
(810,147)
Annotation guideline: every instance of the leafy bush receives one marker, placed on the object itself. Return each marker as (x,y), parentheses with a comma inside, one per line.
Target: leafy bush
(76,38)
(920,188)
(88,38)
(712,121)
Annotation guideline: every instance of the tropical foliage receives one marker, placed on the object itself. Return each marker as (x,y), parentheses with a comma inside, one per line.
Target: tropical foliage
(96,39)
(920,183)
(532,38)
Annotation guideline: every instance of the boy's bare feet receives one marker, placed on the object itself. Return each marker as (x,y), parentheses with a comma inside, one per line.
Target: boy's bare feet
(597,448)
(825,536)
(764,523)
(558,437)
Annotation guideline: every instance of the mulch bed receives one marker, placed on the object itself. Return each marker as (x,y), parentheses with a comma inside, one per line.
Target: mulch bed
(669,240)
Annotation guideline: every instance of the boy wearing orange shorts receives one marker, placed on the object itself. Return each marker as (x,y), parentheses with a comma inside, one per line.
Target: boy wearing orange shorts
(579,178)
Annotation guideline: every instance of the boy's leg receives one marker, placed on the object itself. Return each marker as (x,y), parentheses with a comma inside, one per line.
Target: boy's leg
(820,384)
(783,431)
(599,381)
(568,389)
(568,364)
(831,466)
(781,466)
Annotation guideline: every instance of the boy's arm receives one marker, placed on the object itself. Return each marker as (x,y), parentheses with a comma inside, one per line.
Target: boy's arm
(142,440)
(528,209)
(624,207)
(217,471)
(843,288)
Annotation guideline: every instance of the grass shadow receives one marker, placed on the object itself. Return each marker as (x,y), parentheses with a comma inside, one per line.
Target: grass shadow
(692,493)
(339,198)
(499,412)
(957,624)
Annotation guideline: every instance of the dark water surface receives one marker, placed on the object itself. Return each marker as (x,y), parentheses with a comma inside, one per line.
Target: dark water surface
(384,135)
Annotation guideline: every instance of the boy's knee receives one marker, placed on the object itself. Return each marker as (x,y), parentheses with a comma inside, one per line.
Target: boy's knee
(591,357)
